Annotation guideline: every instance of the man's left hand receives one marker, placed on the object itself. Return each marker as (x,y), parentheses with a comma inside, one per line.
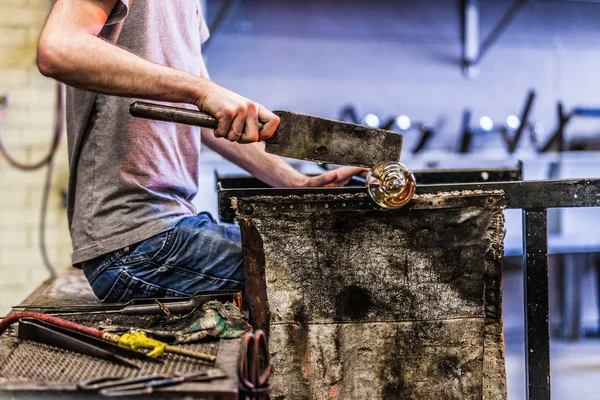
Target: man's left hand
(334,178)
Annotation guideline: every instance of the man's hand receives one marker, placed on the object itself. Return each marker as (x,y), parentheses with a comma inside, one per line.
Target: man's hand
(238,117)
(336,177)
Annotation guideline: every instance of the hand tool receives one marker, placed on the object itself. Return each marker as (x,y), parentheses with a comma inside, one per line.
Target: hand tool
(139,340)
(318,139)
(161,306)
(301,136)
(53,335)
(132,341)
(255,366)
(116,386)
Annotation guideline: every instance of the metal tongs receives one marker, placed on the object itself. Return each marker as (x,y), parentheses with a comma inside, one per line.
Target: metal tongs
(54,335)
(145,385)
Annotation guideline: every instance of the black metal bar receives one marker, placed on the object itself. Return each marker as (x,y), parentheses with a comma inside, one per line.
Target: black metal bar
(520,194)
(349,114)
(443,176)
(535,282)
(426,135)
(499,28)
(557,140)
(470,32)
(473,51)
(423,177)
(466,135)
(512,146)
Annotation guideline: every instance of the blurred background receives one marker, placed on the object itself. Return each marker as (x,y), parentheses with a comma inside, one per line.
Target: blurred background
(469,83)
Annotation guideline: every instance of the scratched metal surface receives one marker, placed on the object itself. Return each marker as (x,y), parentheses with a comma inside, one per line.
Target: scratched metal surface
(379,305)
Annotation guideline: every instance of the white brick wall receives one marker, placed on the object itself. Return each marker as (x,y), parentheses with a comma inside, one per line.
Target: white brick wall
(28,126)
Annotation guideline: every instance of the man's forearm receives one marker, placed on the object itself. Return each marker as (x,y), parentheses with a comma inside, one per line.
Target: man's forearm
(70,50)
(85,61)
(267,167)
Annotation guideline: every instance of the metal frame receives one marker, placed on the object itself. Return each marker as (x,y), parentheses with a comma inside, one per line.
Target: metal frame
(511,140)
(533,197)
(557,142)
(473,49)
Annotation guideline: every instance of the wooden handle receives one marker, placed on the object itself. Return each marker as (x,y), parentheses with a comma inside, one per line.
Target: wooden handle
(190,353)
(172,114)
(180,115)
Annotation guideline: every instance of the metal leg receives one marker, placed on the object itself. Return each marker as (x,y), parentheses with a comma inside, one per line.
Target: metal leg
(537,334)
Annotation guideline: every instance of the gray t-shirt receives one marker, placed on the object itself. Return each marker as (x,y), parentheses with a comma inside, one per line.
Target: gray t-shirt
(132,178)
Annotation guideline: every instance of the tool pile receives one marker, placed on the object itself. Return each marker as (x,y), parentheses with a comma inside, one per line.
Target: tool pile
(138,349)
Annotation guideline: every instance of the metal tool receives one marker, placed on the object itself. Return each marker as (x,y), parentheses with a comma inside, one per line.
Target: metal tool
(145,385)
(301,136)
(255,366)
(168,305)
(139,340)
(131,341)
(53,335)
(322,140)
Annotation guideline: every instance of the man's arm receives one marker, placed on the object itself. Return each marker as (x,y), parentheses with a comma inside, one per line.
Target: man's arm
(273,169)
(270,168)
(70,51)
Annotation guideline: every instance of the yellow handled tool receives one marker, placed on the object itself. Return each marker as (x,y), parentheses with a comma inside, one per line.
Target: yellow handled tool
(139,340)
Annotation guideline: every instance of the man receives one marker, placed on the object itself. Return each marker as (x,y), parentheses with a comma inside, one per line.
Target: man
(135,232)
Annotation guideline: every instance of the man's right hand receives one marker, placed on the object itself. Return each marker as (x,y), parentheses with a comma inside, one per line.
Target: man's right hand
(238,117)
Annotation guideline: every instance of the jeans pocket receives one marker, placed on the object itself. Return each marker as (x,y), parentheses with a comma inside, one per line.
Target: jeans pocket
(117,290)
(93,268)
(148,249)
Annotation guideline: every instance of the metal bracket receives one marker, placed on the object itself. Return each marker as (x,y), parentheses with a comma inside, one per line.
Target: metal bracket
(473,51)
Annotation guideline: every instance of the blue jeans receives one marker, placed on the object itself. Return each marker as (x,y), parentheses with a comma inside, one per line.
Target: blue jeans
(197,255)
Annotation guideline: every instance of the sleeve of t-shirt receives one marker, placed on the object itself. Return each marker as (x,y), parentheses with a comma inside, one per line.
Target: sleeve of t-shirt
(119,12)
(204,32)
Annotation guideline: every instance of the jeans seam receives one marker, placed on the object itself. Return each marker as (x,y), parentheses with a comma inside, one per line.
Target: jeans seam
(115,283)
(106,263)
(214,278)
(124,271)
(166,240)
(154,286)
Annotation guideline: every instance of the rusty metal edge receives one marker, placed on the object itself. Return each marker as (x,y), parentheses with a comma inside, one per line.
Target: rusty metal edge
(256,286)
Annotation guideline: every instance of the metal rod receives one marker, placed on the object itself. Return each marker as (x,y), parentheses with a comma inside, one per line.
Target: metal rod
(172,114)
(467,135)
(535,285)
(471,32)
(512,146)
(558,135)
(520,194)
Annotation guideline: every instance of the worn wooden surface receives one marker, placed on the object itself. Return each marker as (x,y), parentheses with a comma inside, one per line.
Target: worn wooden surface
(380,304)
